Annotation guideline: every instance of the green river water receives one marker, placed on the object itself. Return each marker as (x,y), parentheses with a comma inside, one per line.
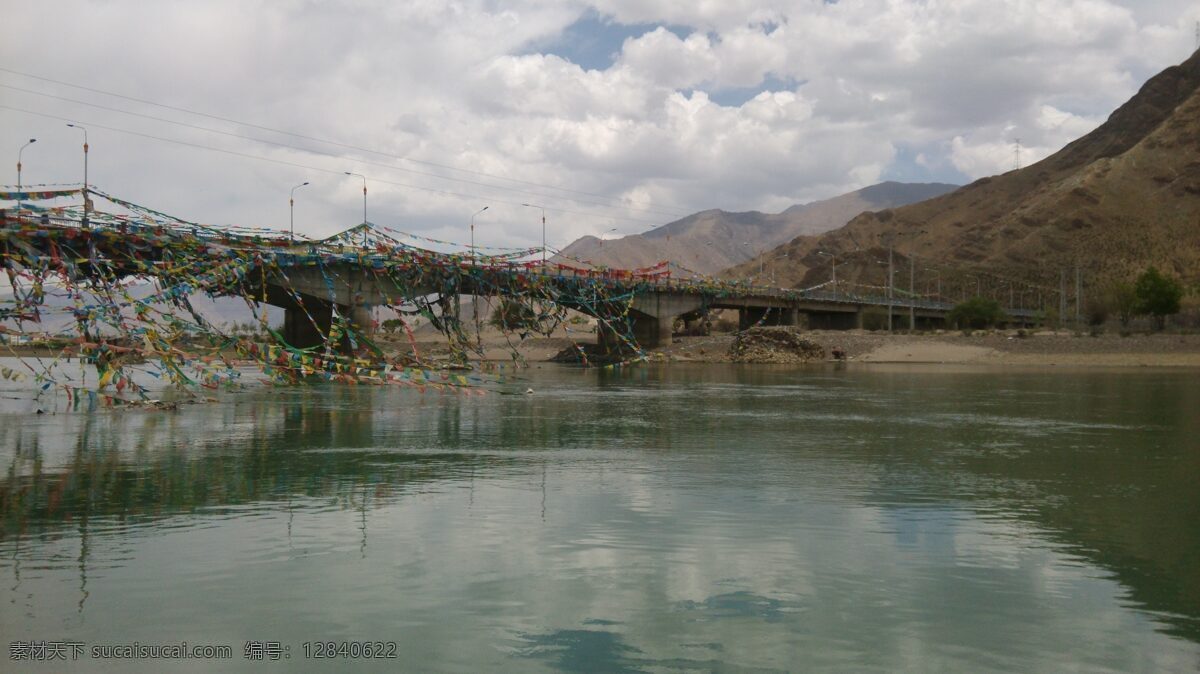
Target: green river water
(658,519)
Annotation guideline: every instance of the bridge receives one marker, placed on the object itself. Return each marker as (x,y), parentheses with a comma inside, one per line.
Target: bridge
(321,284)
(90,262)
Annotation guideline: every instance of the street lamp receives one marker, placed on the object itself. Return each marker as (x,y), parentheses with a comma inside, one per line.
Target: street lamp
(759,255)
(473,232)
(833,261)
(543,210)
(891,281)
(86,201)
(606,233)
(364,179)
(939,282)
(773,261)
(31,142)
(292,211)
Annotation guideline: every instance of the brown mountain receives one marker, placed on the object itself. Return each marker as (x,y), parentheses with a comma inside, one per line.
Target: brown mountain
(1125,196)
(712,240)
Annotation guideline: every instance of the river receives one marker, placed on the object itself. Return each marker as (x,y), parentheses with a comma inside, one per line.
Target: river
(674,518)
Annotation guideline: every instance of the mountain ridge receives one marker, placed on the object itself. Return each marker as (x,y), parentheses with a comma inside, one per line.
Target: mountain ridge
(1118,199)
(713,239)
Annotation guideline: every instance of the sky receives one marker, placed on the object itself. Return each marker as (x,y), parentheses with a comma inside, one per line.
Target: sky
(614,116)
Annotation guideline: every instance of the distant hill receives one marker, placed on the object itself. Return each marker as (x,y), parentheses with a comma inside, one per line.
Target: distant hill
(712,240)
(1122,197)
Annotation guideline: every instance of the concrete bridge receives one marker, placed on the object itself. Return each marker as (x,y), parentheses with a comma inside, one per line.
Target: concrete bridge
(656,304)
(312,280)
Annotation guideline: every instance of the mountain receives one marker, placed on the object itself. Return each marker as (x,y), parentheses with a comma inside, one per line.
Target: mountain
(1125,196)
(709,241)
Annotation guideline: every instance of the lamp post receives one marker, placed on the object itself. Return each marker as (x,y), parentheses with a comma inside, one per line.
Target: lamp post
(891,282)
(292,211)
(773,261)
(759,255)
(86,201)
(364,179)
(833,261)
(939,282)
(912,274)
(473,232)
(543,210)
(891,278)
(911,270)
(606,233)
(31,142)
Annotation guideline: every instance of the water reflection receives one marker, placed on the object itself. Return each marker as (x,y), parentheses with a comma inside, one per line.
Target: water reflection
(651,520)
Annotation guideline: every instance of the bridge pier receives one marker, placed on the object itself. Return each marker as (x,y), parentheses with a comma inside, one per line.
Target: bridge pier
(651,332)
(299,329)
(749,317)
(648,331)
(835,320)
(362,318)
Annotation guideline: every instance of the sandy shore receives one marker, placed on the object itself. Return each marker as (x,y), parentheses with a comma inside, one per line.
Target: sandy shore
(1002,348)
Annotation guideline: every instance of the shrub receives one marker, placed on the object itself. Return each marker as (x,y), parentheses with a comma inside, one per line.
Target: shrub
(513,314)
(1122,299)
(977,312)
(1157,295)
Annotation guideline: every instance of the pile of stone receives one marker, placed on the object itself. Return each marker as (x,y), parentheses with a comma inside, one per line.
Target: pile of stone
(773,345)
(577,353)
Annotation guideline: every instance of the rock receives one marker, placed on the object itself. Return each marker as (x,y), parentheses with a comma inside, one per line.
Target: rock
(773,345)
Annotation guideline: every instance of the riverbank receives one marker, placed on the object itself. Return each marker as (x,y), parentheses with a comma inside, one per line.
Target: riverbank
(1000,348)
(1044,348)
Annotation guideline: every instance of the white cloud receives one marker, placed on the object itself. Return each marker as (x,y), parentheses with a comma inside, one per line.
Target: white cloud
(453,84)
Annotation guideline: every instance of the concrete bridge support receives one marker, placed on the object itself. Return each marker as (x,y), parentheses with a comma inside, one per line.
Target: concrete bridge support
(776,316)
(299,329)
(298,324)
(835,320)
(649,331)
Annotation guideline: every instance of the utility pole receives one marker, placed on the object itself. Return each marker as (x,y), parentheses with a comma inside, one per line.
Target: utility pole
(87,202)
(1062,295)
(292,211)
(912,271)
(19,152)
(543,210)
(1079,294)
(890,284)
(364,179)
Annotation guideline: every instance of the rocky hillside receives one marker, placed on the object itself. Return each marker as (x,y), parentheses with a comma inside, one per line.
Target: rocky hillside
(1124,196)
(713,240)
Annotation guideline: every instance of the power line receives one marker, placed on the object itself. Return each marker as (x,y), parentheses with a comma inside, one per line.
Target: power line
(231,134)
(309,167)
(315,139)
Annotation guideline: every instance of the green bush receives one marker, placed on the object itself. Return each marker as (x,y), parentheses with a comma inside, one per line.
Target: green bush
(1157,295)
(975,313)
(1122,299)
